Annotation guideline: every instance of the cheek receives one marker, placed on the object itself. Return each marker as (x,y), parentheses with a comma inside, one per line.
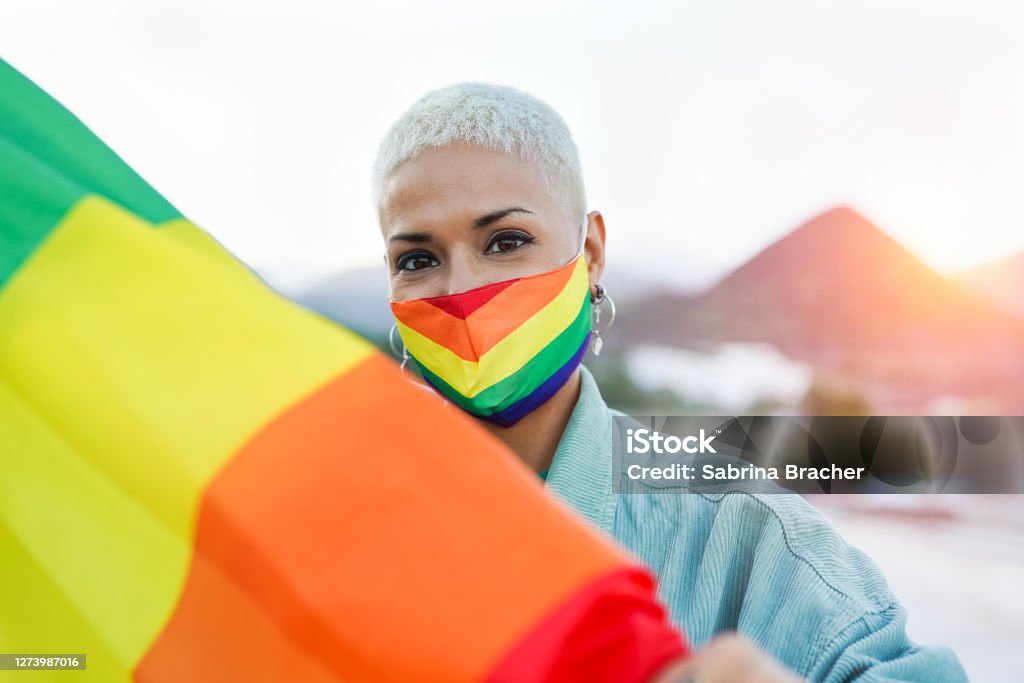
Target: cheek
(405,291)
(567,243)
(526,261)
(567,251)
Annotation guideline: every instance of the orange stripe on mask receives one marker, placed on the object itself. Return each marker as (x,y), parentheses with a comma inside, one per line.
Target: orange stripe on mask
(502,314)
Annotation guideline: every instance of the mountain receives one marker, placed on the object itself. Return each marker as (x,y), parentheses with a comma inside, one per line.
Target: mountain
(356,298)
(1002,283)
(839,293)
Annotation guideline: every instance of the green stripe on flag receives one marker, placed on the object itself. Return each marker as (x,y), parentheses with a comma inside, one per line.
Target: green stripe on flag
(49,160)
(33,199)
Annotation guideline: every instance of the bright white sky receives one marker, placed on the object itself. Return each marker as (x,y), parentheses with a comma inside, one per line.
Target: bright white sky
(707,129)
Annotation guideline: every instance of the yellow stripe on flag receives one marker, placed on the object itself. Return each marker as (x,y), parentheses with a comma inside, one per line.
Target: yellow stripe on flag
(164,385)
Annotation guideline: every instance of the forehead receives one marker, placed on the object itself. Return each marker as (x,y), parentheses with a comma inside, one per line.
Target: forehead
(450,182)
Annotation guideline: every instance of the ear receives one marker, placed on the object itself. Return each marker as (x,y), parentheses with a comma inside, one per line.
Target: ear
(593,248)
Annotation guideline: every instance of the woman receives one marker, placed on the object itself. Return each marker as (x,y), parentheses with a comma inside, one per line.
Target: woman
(495,271)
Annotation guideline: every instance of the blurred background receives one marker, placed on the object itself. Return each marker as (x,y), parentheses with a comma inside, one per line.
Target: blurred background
(812,208)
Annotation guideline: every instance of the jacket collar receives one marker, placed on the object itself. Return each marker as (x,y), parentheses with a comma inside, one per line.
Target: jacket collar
(581,471)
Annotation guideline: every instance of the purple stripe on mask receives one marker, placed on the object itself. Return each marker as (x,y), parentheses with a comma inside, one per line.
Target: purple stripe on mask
(521,408)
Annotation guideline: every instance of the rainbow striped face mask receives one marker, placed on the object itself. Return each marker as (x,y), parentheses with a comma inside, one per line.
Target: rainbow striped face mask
(501,350)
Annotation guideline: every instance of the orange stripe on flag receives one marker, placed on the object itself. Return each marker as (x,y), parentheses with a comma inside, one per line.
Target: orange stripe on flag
(397,592)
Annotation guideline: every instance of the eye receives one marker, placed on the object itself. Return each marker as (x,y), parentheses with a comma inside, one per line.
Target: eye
(507,241)
(415,260)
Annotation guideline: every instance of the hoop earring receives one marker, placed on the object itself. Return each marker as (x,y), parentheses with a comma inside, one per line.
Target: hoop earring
(404,353)
(599,297)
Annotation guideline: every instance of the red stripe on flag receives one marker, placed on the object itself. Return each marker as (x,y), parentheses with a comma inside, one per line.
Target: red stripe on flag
(609,631)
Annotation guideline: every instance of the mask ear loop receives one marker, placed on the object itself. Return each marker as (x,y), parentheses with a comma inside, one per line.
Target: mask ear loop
(404,353)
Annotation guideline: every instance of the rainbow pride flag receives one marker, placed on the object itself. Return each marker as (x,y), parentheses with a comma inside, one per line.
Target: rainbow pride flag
(202,481)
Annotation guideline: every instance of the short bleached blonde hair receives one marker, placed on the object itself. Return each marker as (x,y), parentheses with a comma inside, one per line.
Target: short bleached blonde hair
(493,117)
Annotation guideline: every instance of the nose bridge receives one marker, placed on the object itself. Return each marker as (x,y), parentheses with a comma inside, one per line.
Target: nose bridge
(464,270)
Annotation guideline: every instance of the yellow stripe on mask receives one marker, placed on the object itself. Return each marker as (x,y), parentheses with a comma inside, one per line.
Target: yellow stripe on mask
(469,378)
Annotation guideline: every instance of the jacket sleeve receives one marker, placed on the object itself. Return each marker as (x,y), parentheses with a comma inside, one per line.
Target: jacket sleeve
(875,648)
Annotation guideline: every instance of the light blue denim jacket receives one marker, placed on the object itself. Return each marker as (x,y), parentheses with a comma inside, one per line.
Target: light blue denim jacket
(768,565)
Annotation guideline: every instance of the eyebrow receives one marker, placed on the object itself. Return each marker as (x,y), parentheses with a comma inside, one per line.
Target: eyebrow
(411,237)
(481,222)
(495,216)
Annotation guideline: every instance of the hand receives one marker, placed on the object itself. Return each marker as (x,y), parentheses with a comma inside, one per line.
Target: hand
(729,658)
